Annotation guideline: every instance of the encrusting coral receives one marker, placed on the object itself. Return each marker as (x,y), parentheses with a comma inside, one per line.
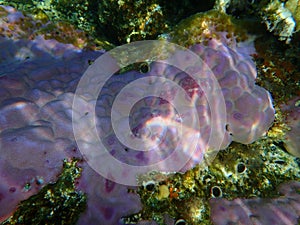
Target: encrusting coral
(39,77)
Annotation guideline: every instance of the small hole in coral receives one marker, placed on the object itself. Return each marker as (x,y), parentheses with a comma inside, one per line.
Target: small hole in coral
(150,186)
(240,167)
(216,192)
(144,67)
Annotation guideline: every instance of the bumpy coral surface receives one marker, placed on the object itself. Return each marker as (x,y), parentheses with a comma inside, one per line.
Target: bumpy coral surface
(249,111)
(38,78)
(36,101)
(282,210)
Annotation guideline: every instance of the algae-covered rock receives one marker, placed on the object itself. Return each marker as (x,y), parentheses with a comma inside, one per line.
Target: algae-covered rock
(279,20)
(204,26)
(117,22)
(127,20)
(294,7)
(282,18)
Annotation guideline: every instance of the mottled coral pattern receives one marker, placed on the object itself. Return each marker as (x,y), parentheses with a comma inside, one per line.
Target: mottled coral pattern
(38,81)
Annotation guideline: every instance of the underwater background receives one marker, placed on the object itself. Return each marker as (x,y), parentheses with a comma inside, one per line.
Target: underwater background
(252,47)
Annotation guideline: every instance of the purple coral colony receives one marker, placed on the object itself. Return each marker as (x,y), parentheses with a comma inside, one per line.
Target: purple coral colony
(253,179)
